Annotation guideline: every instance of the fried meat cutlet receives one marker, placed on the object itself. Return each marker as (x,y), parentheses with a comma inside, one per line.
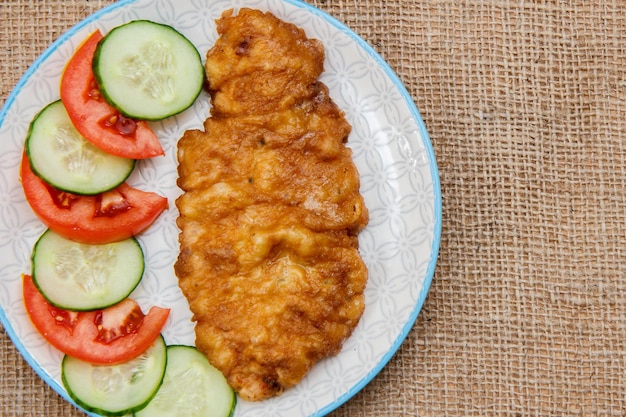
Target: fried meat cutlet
(260,64)
(270,210)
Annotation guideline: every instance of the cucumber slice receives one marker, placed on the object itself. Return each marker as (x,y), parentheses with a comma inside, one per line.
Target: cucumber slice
(78,276)
(64,159)
(116,390)
(192,387)
(148,70)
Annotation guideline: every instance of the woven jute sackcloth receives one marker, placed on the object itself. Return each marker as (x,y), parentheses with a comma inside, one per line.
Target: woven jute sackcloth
(525,103)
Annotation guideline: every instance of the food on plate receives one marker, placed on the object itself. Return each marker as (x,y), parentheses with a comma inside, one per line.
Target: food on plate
(271,210)
(192,387)
(116,390)
(81,277)
(95,119)
(60,156)
(87,264)
(148,70)
(112,216)
(110,336)
(260,65)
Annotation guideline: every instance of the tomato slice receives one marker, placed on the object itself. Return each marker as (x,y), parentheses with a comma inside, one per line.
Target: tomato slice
(80,338)
(109,217)
(96,120)
(120,320)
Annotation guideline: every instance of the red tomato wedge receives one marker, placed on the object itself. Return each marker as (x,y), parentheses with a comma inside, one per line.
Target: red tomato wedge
(77,334)
(96,120)
(109,217)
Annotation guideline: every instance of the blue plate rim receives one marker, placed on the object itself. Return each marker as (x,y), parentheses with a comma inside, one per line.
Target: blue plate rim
(434,171)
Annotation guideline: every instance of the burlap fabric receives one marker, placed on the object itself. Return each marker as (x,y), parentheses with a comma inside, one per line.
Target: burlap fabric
(526,106)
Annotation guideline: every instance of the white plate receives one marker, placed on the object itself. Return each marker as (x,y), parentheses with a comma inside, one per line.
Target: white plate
(391,149)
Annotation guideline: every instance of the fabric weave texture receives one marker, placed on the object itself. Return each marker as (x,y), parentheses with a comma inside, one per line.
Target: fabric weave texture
(525,103)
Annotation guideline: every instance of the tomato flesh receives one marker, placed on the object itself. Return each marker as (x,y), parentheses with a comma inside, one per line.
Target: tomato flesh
(122,124)
(81,339)
(109,217)
(65,318)
(118,321)
(111,204)
(94,118)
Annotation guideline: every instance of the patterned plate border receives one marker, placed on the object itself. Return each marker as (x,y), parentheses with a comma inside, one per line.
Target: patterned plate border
(392,150)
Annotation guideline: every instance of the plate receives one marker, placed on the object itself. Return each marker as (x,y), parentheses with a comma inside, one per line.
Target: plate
(391,148)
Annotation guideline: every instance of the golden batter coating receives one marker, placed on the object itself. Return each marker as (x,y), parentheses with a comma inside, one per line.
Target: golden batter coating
(260,64)
(270,212)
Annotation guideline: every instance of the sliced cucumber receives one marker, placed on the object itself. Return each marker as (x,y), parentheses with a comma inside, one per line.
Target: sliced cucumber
(191,388)
(116,390)
(78,276)
(148,70)
(64,159)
